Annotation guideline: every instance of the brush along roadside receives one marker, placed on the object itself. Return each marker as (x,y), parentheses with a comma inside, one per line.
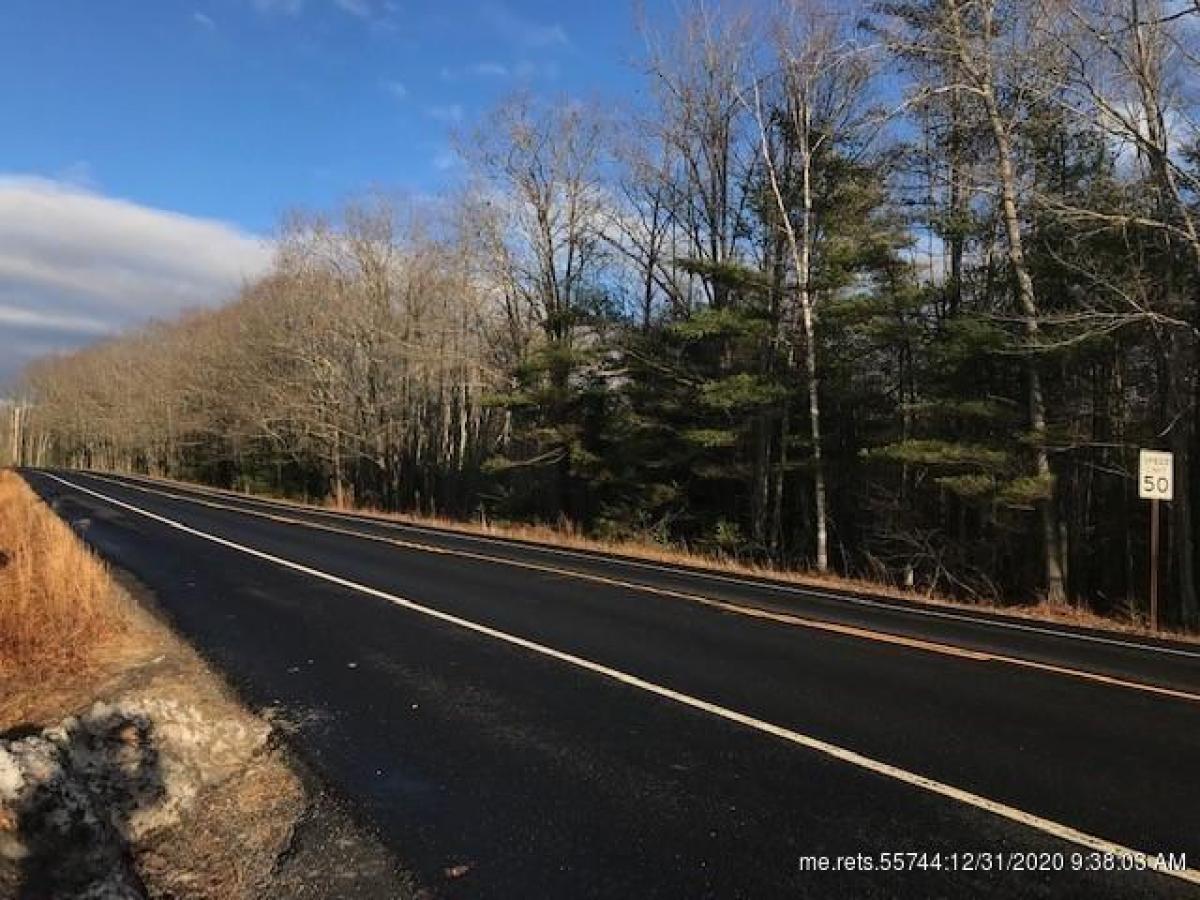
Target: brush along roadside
(127,768)
(1124,619)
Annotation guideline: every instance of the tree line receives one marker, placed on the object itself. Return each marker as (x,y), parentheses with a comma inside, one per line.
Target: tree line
(897,292)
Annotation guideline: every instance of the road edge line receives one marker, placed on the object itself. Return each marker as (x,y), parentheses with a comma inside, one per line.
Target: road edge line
(790,620)
(842,754)
(681,569)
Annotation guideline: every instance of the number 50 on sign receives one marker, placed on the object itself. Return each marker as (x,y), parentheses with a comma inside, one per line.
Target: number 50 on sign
(1156,475)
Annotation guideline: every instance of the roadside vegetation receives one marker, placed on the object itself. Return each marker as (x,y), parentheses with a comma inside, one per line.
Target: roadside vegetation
(568,536)
(58,605)
(127,767)
(891,292)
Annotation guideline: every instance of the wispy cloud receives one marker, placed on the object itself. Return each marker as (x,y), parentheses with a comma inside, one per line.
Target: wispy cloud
(445,159)
(451,113)
(396,88)
(380,16)
(16,317)
(78,174)
(373,10)
(75,264)
(523,70)
(488,70)
(484,69)
(360,8)
(204,21)
(524,32)
(280,7)
(527,70)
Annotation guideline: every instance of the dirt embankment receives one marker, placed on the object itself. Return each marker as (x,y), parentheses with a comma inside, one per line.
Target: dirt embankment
(127,768)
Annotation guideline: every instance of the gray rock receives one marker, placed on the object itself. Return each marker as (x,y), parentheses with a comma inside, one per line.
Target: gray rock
(77,797)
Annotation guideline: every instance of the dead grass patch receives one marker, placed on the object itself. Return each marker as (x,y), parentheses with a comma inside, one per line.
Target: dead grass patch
(57,602)
(568,536)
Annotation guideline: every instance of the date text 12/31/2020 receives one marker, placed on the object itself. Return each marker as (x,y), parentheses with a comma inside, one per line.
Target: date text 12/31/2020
(994,861)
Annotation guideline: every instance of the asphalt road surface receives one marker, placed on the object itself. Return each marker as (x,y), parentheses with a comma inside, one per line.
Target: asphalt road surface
(520,721)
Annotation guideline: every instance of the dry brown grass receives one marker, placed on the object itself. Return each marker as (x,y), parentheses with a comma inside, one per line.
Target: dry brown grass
(568,536)
(57,602)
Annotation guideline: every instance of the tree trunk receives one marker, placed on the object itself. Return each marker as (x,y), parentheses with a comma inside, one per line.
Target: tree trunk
(1027,302)
(801,251)
(814,423)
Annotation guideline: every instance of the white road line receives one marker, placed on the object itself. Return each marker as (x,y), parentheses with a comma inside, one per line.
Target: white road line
(1047,826)
(700,573)
(789,619)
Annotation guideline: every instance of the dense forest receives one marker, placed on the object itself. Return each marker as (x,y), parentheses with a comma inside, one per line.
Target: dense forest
(896,292)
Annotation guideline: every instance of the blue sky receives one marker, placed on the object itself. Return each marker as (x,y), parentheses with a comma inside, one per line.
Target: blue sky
(150,145)
(236,109)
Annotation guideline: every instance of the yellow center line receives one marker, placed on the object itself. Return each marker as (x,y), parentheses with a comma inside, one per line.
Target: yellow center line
(789,619)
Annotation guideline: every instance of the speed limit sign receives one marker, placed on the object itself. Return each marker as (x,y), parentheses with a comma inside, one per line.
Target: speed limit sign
(1156,481)
(1156,475)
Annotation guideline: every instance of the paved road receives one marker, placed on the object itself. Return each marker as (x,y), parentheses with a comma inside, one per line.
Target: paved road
(521,721)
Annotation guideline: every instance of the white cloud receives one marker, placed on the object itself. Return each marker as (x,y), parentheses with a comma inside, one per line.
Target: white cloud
(396,89)
(526,70)
(1127,128)
(485,69)
(75,264)
(78,173)
(522,70)
(15,317)
(488,69)
(522,31)
(450,114)
(445,160)
(283,7)
(360,8)
(204,21)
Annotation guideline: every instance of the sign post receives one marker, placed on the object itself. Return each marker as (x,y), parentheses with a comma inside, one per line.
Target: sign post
(1156,481)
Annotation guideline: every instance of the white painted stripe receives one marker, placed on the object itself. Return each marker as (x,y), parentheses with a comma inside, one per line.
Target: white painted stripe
(699,573)
(1046,826)
(738,609)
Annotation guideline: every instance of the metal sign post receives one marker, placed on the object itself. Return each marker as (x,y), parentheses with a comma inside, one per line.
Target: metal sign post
(1156,481)
(1154,565)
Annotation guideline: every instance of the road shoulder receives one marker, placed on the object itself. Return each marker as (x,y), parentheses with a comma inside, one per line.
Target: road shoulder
(144,776)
